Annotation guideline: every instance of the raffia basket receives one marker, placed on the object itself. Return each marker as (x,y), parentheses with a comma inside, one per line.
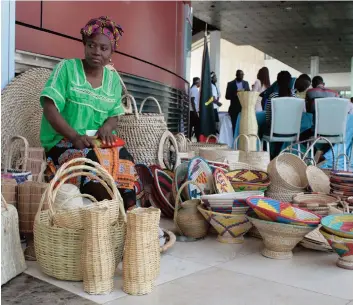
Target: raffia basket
(277,192)
(58,249)
(220,155)
(12,259)
(74,218)
(9,189)
(163,161)
(258,159)
(97,254)
(142,132)
(318,203)
(195,146)
(141,263)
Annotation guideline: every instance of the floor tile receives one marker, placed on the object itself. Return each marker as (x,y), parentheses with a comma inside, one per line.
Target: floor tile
(215,286)
(171,268)
(311,270)
(211,252)
(27,290)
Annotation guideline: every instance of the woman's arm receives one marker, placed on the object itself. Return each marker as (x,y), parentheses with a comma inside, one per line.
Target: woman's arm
(59,124)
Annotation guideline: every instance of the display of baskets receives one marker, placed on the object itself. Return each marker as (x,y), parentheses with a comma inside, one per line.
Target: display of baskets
(230,227)
(258,158)
(283,212)
(318,203)
(279,238)
(58,249)
(163,192)
(142,132)
(248,180)
(200,172)
(340,225)
(222,183)
(12,259)
(343,247)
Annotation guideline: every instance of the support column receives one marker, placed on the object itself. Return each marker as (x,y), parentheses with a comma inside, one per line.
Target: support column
(215,54)
(8,19)
(314,66)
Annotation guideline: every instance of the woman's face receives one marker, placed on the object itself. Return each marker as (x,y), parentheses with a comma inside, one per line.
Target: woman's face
(98,50)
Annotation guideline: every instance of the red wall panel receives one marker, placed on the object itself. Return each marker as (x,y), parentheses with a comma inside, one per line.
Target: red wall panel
(57,46)
(150,27)
(28,12)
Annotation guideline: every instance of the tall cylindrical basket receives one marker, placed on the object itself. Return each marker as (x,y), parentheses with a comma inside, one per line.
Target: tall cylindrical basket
(141,263)
(98,261)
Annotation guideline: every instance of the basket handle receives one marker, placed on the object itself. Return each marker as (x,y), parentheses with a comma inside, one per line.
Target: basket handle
(153,99)
(348,160)
(168,135)
(178,198)
(131,100)
(90,197)
(258,140)
(237,139)
(210,137)
(10,151)
(312,147)
(43,167)
(181,139)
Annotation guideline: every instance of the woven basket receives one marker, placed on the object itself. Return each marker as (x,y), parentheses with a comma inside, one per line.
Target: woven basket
(170,240)
(29,197)
(97,253)
(142,132)
(167,135)
(259,159)
(279,239)
(74,218)
(187,219)
(315,201)
(196,146)
(21,112)
(279,193)
(141,263)
(9,189)
(182,142)
(219,155)
(12,259)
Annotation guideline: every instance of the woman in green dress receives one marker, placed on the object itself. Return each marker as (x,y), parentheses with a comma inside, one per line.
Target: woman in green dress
(83,95)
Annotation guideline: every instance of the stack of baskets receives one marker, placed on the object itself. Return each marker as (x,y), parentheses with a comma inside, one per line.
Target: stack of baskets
(318,203)
(142,132)
(59,234)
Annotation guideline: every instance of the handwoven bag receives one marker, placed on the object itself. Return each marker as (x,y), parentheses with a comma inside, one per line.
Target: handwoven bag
(12,259)
(141,264)
(258,159)
(142,132)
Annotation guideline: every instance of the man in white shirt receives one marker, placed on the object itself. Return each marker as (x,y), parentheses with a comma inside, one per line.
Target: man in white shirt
(216,96)
(195,107)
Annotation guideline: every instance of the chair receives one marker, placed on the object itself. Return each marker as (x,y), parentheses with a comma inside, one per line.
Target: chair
(330,121)
(286,120)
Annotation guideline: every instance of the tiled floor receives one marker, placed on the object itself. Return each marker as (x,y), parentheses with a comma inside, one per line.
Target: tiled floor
(208,272)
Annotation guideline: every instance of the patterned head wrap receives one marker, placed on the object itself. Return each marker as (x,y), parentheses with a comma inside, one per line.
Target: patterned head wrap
(103,25)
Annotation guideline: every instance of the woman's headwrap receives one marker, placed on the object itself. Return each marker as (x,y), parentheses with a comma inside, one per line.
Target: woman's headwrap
(103,25)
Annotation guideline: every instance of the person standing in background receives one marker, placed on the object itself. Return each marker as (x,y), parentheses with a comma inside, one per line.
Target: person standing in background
(232,94)
(350,107)
(216,96)
(261,84)
(195,107)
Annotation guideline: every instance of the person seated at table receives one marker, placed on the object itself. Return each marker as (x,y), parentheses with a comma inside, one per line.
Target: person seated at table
(83,95)
(284,90)
(261,84)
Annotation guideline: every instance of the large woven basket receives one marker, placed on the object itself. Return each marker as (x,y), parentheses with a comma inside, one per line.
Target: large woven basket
(220,155)
(258,159)
(196,146)
(74,218)
(12,259)
(142,132)
(141,263)
(20,108)
(58,249)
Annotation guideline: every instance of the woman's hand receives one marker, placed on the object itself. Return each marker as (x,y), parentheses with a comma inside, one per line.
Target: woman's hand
(82,142)
(105,133)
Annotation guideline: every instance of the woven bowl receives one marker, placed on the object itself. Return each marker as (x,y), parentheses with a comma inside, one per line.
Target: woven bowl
(279,239)
(222,183)
(248,180)
(283,212)
(200,172)
(230,228)
(339,224)
(343,247)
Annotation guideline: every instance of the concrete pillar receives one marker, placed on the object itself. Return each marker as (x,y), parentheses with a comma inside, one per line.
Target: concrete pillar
(215,54)
(314,66)
(8,19)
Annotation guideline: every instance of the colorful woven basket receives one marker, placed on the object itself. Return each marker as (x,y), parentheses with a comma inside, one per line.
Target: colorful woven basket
(343,247)
(230,228)
(248,180)
(163,194)
(221,182)
(200,172)
(283,212)
(340,225)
